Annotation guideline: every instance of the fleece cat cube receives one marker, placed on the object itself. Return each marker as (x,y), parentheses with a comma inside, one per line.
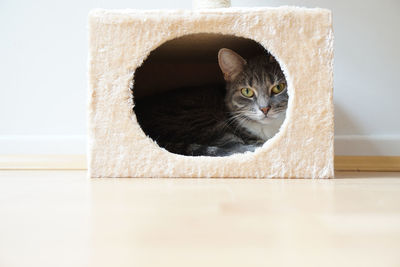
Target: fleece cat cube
(121,41)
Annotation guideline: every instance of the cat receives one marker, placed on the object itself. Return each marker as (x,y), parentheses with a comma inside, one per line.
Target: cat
(219,120)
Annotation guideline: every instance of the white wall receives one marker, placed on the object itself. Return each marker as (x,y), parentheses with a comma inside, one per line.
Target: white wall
(43,64)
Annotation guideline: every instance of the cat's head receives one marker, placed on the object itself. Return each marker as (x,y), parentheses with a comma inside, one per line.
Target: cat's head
(256,89)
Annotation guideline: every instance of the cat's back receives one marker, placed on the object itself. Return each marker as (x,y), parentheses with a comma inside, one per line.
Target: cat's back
(183,115)
(204,99)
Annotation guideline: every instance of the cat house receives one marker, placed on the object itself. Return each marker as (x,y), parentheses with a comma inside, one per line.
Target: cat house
(128,46)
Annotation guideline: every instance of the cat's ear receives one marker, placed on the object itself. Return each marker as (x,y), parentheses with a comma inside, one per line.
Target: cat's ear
(230,63)
(271,59)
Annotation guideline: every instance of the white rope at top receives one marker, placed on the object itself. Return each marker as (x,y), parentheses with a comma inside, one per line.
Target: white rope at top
(199,4)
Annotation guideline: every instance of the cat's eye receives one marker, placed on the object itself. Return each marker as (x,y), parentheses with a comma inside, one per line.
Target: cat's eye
(247,92)
(278,88)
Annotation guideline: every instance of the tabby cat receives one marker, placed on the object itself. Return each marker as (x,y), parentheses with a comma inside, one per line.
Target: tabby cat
(219,120)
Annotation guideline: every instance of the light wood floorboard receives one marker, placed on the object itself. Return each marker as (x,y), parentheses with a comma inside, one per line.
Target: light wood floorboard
(63,218)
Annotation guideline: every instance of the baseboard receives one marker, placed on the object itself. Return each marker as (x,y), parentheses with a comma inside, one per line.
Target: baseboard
(78,162)
(367,163)
(43,162)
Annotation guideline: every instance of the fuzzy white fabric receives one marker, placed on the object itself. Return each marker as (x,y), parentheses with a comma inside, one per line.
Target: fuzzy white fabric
(301,40)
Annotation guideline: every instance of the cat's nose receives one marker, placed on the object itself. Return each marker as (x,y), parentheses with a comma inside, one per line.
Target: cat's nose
(265,110)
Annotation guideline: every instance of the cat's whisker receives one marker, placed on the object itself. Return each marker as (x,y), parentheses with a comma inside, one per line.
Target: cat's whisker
(239,124)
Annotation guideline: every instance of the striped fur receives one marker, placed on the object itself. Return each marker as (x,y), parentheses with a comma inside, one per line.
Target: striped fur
(217,120)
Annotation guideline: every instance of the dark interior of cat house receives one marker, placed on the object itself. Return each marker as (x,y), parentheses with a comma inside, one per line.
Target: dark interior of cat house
(186,63)
(189,61)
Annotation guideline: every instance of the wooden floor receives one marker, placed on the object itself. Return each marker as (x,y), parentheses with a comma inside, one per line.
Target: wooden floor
(62,218)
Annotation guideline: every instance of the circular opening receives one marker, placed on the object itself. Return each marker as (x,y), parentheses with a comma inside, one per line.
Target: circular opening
(210,95)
